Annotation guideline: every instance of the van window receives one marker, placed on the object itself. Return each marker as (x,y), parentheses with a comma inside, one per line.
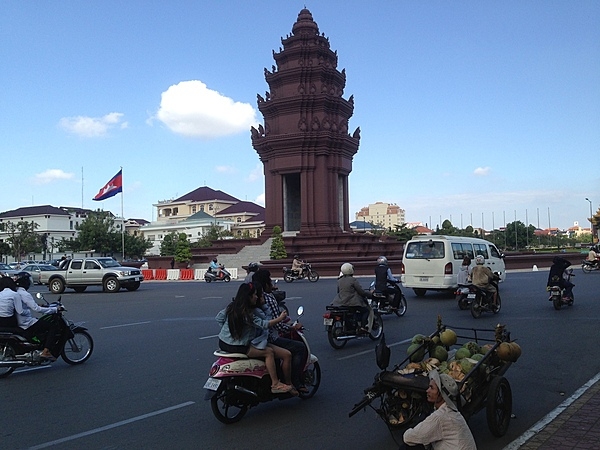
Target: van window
(494,251)
(481,249)
(461,250)
(425,250)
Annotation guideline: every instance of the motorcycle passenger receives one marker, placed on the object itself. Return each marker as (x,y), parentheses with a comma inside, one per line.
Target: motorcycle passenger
(351,293)
(297,264)
(445,428)
(383,279)
(8,298)
(215,267)
(262,277)
(238,327)
(483,278)
(464,272)
(558,277)
(47,327)
(252,268)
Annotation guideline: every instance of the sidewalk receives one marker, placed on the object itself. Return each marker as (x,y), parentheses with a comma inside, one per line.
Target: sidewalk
(574,424)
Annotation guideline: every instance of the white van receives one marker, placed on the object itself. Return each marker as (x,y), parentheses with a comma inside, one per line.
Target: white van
(432,262)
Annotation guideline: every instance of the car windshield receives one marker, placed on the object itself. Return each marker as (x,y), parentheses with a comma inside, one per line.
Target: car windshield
(108,262)
(5,267)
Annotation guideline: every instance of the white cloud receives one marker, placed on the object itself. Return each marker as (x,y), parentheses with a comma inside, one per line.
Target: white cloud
(256,173)
(92,126)
(191,109)
(260,200)
(482,171)
(226,169)
(51,175)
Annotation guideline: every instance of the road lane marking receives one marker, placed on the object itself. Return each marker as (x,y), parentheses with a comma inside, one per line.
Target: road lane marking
(109,427)
(126,325)
(209,337)
(366,352)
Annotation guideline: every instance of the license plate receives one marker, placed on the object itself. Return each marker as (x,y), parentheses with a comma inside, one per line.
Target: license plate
(471,296)
(424,279)
(327,322)
(136,279)
(212,384)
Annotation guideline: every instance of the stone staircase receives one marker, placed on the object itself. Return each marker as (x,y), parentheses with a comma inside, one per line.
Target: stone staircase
(248,254)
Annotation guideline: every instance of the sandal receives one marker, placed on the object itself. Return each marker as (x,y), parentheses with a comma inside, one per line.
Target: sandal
(280,388)
(303,390)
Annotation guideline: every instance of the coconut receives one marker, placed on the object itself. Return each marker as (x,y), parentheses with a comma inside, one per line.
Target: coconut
(448,337)
(473,347)
(418,339)
(466,364)
(462,353)
(416,354)
(439,352)
(505,351)
(477,357)
(515,351)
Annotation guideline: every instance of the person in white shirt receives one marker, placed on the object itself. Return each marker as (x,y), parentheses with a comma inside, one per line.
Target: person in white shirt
(48,327)
(8,295)
(445,428)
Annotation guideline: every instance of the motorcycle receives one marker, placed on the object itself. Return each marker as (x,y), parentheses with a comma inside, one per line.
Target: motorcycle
(237,383)
(16,351)
(383,303)
(557,294)
(306,271)
(589,266)
(484,300)
(342,324)
(223,275)
(465,294)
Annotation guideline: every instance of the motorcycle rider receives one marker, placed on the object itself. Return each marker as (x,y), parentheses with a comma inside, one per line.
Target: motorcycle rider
(351,293)
(215,267)
(445,427)
(262,278)
(383,279)
(297,264)
(8,298)
(557,276)
(251,270)
(47,327)
(483,278)
(593,255)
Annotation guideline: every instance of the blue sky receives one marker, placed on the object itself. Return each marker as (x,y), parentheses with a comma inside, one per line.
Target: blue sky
(474,111)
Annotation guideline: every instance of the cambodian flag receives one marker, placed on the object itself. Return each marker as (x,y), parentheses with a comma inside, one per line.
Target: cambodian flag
(113,187)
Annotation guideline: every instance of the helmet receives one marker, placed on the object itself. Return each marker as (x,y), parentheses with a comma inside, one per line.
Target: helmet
(296,256)
(347,269)
(23,279)
(480,260)
(253,267)
(382,260)
(214,259)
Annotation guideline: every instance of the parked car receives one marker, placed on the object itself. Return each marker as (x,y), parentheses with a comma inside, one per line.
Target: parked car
(7,270)
(36,269)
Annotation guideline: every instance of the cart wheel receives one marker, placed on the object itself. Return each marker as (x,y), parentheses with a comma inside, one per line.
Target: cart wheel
(499,406)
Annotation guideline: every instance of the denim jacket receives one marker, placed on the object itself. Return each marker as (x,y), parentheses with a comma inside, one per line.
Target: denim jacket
(248,333)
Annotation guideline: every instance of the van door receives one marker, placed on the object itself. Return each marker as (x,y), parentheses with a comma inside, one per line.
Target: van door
(493,258)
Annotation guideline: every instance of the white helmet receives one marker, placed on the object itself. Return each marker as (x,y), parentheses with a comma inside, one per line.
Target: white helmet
(480,260)
(347,269)
(382,260)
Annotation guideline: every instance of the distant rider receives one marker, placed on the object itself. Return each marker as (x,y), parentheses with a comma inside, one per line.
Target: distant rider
(251,270)
(483,277)
(593,255)
(215,267)
(385,282)
(558,277)
(297,264)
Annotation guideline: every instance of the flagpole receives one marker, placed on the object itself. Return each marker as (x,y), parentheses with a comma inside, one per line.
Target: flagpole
(122,223)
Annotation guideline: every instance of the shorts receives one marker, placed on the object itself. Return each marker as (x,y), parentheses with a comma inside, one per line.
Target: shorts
(233,348)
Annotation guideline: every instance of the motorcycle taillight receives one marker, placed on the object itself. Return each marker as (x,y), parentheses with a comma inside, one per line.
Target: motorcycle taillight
(327,315)
(214,369)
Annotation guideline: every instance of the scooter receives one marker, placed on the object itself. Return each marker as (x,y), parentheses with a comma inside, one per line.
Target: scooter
(236,383)
(17,351)
(557,294)
(342,324)
(383,303)
(589,266)
(223,275)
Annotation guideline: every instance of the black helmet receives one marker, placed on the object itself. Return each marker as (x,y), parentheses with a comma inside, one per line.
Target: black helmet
(382,260)
(296,256)
(214,259)
(253,267)
(23,279)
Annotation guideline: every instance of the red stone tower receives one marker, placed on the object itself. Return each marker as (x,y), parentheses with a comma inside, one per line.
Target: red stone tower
(304,144)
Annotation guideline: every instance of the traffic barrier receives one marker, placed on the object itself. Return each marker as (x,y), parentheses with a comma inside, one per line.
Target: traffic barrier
(173,274)
(199,274)
(186,274)
(160,274)
(535,268)
(148,274)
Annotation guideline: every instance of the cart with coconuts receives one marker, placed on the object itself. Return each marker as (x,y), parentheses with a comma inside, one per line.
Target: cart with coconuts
(476,358)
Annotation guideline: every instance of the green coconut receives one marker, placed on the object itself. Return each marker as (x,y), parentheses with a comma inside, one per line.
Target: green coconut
(461,353)
(419,353)
(473,347)
(418,339)
(439,352)
(466,364)
(448,337)
(477,356)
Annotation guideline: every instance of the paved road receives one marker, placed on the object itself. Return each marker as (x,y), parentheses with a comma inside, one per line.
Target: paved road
(142,388)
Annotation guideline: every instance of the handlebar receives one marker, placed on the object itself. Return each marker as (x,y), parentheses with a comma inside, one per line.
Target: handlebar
(361,405)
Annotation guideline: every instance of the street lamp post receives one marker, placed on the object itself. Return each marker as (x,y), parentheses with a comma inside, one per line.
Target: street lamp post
(591,223)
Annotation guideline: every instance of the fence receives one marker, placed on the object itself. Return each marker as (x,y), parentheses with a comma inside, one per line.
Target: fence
(181,274)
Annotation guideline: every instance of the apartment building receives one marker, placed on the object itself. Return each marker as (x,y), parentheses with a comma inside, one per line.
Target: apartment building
(385,215)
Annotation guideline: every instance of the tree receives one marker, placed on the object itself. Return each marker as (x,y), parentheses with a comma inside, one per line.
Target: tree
(517,235)
(22,238)
(182,248)
(136,246)
(168,244)
(97,232)
(448,229)
(277,245)
(4,249)
(403,233)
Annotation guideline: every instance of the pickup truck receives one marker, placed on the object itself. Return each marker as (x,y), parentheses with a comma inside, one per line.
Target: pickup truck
(80,273)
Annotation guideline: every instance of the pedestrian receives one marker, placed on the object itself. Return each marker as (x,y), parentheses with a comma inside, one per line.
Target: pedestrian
(172,263)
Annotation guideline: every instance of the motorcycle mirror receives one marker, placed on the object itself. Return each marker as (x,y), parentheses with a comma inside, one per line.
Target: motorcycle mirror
(39,295)
(300,310)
